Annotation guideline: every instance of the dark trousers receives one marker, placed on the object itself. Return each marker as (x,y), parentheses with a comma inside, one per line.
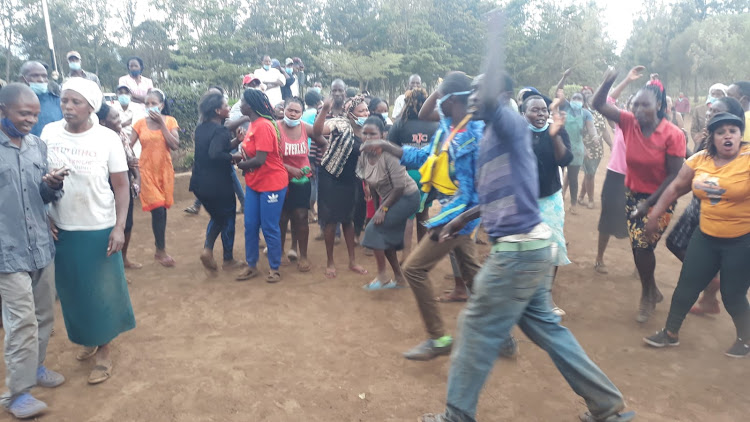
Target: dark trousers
(223,216)
(706,256)
(159,226)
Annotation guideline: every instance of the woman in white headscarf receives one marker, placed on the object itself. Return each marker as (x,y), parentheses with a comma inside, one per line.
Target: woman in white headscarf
(89,223)
(698,115)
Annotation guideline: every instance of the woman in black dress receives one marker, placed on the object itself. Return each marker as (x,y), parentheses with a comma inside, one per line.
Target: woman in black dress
(337,179)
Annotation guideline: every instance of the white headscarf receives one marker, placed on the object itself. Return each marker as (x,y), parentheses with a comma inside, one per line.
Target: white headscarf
(721,87)
(88,89)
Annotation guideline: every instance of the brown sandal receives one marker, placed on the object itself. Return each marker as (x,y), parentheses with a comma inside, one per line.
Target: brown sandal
(100,373)
(247,274)
(87,353)
(303,265)
(273,277)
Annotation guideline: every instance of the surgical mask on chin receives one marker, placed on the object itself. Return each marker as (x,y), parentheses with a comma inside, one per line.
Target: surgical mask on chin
(75,65)
(124,100)
(291,123)
(266,67)
(576,105)
(539,129)
(39,88)
(11,129)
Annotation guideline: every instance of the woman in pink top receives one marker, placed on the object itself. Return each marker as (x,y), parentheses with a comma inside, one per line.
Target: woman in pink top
(612,221)
(138,84)
(294,154)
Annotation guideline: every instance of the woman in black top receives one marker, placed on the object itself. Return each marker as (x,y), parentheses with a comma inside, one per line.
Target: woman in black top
(409,130)
(211,181)
(552,148)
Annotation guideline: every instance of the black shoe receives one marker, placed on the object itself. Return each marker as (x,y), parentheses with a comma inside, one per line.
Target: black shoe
(661,339)
(739,350)
(429,350)
(509,350)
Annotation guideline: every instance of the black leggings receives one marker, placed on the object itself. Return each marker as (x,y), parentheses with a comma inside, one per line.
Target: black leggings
(159,226)
(706,256)
(360,208)
(573,183)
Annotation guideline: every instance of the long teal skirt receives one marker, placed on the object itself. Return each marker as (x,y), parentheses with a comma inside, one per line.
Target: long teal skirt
(92,288)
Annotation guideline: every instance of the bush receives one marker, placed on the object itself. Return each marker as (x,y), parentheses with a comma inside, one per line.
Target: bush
(183,104)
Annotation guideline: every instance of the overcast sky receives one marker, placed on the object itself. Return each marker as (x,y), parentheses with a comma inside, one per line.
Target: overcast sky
(618,18)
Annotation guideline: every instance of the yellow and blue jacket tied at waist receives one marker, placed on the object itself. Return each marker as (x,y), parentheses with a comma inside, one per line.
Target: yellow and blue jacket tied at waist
(449,170)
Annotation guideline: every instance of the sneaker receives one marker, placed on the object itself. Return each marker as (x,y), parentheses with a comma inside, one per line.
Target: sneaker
(739,350)
(558,311)
(48,378)
(26,406)
(661,339)
(192,210)
(509,350)
(430,349)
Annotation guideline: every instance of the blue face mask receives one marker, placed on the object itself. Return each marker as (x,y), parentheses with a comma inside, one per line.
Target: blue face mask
(74,65)
(538,129)
(710,100)
(266,67)
(291,123)
(135,73)
(39,88)
(124,100)
(576,105)
(316,89)
(289,70)
(361,121)
(11,129)
(385,116)
(155,109)
(440,102)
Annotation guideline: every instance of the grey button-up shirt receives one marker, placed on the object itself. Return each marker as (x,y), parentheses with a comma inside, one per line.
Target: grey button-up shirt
(25,237)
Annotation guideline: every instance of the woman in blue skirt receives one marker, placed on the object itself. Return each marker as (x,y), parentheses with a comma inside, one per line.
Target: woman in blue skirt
(89,224)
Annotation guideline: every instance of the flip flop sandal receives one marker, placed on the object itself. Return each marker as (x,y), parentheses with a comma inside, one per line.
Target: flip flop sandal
(393,284)
(87,353)
(601,268)
(330,274)
(375,285)
(100,373)
(304,266)
(247,274)
(620,417)
(273,277)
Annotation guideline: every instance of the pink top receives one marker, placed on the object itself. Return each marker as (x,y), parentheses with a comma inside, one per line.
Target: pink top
(617,158)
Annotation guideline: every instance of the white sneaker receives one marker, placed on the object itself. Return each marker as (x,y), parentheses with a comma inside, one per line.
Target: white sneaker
(292,255)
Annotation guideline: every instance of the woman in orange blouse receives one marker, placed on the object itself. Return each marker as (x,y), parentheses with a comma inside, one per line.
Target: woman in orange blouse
(157,133)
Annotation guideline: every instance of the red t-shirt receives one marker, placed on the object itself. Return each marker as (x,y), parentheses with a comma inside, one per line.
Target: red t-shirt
(272,175)
(647,157)
(295,152)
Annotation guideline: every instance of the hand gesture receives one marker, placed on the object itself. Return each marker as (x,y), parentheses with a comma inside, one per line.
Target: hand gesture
(327,104)
(651,229)
(636,73)
(294,172)
(157,117)
(116,240)
(379,216)
(54,179)
(610,75)
(641,210)
(450,230)
(371,146)
(237,157)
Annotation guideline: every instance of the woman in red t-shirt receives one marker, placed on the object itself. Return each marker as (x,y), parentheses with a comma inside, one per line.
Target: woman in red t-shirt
(295,155)
(266,178)
(655,151)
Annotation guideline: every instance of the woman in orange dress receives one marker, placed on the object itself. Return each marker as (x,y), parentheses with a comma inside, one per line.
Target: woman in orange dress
(157,133)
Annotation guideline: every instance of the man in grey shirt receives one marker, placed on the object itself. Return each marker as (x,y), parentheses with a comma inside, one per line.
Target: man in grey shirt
(26,251)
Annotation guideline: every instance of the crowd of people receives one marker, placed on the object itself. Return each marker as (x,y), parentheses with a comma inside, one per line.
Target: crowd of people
(471,151)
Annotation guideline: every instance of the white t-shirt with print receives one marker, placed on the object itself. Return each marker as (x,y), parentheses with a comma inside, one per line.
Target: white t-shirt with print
(88,202)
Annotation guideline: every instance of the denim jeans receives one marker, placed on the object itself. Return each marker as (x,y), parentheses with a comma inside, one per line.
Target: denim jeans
(238,190)
(513,288)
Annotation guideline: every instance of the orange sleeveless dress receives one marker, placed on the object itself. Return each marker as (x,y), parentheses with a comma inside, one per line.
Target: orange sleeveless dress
(157,172)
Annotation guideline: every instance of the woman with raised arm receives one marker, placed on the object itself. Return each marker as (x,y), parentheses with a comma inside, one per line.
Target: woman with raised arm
(655,151)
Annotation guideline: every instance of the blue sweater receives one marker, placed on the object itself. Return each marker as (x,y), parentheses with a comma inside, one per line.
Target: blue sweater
(507,180)
(463,154)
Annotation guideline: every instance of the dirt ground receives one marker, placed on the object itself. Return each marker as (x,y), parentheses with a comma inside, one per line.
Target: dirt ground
(311,349)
